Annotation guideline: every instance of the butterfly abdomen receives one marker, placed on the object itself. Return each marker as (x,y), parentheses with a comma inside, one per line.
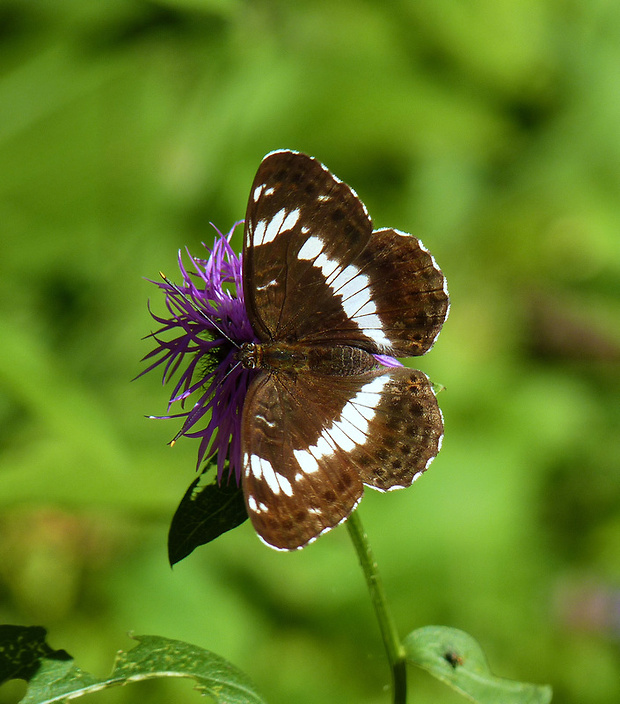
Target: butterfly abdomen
(341,360)
(336,360)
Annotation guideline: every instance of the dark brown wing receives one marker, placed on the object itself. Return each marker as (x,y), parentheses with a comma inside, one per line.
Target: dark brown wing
(310,442)
(408,290)
(295,199)
(314,271)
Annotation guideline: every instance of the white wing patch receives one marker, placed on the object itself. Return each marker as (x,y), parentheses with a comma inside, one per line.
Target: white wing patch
(256,506)
(311,248)
(260,190)
(352,286)
(267,230)
(261,468)
(306,460)
(348,431)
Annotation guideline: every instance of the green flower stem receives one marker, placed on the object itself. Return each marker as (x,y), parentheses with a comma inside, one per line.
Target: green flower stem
(393,646)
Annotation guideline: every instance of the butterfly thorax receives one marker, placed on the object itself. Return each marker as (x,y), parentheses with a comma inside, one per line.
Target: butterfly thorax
(339,360)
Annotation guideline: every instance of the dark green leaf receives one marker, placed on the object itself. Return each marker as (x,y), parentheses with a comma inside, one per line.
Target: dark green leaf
(53,677)
(21,651)
(205,512)
(455,658)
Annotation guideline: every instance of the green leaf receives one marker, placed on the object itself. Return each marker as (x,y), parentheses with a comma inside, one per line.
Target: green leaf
(455,658)
(205,512)
(53,677)
(21,650)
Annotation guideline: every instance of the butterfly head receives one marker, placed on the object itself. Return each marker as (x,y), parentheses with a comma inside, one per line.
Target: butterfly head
(250,355)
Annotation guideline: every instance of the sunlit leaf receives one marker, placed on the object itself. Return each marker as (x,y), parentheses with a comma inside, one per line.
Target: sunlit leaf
(455,658)
(52,675)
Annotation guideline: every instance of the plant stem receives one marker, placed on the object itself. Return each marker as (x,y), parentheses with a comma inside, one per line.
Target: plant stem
(391,640)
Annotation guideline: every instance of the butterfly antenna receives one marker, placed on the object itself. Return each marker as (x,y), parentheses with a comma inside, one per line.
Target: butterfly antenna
(200,312)
(230,371)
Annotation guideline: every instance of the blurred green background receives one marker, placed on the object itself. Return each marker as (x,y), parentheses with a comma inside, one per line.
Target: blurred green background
(491,129)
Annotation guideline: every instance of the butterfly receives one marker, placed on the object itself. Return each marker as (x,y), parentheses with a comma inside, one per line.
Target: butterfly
(325,293)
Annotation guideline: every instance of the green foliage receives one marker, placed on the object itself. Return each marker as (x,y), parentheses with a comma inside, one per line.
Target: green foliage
(206,511)
(449,655)
(488,128)
(455,658)
(52,676)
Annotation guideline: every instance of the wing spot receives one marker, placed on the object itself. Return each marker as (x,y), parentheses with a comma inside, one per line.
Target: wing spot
(341,439)
(416,408)
(344,483)
(306,460)
(390,442)
(393,422)
(365,460)
(413,431)
(273,282)
(263,469)
(259,232)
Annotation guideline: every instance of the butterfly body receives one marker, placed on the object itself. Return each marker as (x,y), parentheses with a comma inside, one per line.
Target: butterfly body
(325,293)
(329,360)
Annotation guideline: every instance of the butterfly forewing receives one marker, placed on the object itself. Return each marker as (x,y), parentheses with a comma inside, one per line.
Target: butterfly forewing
(314,272)
(309,443)
(297,211)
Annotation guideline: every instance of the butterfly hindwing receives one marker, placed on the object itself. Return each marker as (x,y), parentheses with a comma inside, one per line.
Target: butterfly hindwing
(407,432)
(408,291)
(310,441)
(290,502)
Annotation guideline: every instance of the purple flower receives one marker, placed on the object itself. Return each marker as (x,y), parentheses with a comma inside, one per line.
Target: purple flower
(207,325)
(209,322)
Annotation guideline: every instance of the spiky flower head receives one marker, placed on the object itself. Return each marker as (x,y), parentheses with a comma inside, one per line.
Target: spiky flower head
(206,325)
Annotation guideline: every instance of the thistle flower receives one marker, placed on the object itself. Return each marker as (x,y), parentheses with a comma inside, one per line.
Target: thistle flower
(208,312)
